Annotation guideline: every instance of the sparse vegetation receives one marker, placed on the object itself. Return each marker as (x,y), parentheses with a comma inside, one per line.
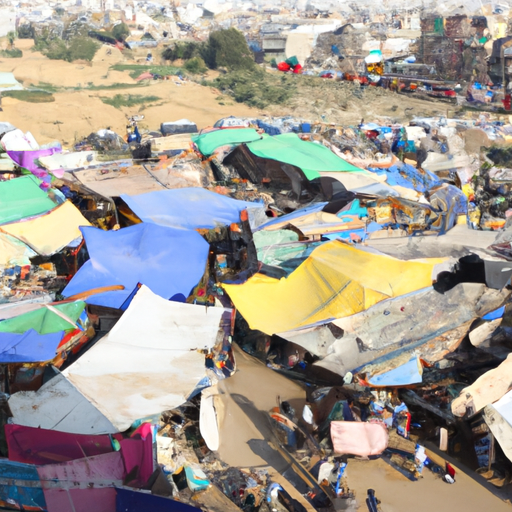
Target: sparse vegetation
(128,100)
(14,53)
(137,69)
(30,96)
(256,87)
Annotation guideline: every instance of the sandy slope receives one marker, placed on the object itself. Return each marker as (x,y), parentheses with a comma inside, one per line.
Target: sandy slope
(75,114)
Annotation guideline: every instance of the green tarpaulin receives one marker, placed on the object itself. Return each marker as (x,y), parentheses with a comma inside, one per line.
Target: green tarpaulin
(44,320)
(310,157)
(21,198)
(208,142)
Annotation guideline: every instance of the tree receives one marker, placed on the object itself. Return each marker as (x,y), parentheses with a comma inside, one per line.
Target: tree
(228,48)
(121,31)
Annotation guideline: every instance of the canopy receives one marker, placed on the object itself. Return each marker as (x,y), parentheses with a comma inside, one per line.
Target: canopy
(29,347)
(163,336)
(49,233)
(21,198)
(208,142)
(335,281)
(170,261)
(188,208)
(310,157)
(46,320)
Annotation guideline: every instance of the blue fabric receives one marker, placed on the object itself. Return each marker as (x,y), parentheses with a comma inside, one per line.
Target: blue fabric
(317,207)
(169,261)
(131,500)
(190,208)
(407,176)
(408,373)
(268,128)
(494,315)
(29,347)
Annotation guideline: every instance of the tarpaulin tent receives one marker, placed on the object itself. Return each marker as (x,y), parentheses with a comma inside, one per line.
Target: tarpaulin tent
(188,208)
(170,261)
(310,157)
(47,319)
(21,198)
(29,347)
(49,233)
(13,251)
(208,142)
(337,280)
(164,336)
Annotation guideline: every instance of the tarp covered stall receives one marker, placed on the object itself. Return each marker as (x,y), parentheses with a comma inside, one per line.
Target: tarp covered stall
(190,208)
(48,234)
(170,261)
(154,333)
(178,127)
(208,142)
(335,281)
(21,198)
(310,157)
(14,252)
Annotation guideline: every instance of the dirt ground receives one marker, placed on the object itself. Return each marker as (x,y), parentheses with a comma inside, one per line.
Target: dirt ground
(77,112)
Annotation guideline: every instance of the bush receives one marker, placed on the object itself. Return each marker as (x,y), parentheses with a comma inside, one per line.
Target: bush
(228,48)
(196,66)
(255,88)
(30,96)
(128,100)
(184,51)
(77,48)
(11,54)
(120,31)
(26,31)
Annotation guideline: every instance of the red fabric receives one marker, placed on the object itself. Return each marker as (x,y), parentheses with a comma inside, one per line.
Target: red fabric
(282,66)
(297,69)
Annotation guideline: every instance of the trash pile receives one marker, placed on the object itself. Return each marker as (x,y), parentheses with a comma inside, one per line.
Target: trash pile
(144,280)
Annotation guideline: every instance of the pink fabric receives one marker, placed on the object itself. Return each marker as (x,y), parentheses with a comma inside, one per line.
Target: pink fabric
(358,438)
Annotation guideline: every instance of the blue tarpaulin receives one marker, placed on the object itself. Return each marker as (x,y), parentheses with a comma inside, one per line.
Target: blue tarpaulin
(408,373)
(190,208)
(29,347)
(169,261)
(131,500)
(407,176)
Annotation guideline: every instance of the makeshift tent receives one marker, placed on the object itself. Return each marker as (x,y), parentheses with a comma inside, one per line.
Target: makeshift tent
(155,333)
(49,233)
(188,208)
(29,347)
(21,198)
(337,280)
(208,142)
(310,157)
(170,261)
(47,319)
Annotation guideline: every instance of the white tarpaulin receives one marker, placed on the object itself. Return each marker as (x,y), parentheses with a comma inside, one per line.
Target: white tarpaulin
(150,361)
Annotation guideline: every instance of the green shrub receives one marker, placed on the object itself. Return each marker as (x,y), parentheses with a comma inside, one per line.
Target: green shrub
(183,50)
(77,48)
(14,53)
(228,48)
(195,66)
(30,96)
(121,31)
(128,100)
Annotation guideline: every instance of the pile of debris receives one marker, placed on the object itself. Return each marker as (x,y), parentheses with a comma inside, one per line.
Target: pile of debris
(368,267)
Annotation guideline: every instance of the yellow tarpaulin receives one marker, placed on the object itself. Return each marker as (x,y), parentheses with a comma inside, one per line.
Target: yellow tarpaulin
(51,232)
(336,281)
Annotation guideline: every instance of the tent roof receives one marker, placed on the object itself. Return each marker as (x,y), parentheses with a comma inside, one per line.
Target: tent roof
(29,347)
(187,208)
(45,320)
(208,142)
(310,157)
(49,233)
(335,281)
(170,261)
(154,333)
(21,198)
